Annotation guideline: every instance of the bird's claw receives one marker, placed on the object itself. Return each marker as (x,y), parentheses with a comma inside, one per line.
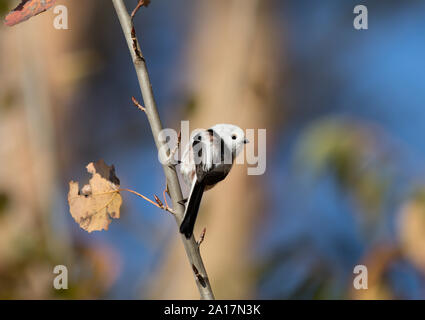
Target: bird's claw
(182,202)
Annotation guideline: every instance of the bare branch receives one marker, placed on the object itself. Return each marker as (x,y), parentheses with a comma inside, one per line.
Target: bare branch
(136,49)
(191,247)
(170,159)
(158,201)
(198,276)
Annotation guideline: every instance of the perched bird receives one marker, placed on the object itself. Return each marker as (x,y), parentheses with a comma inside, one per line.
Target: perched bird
(207,160)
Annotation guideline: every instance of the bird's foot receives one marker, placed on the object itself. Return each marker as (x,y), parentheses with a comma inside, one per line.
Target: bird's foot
(182,201)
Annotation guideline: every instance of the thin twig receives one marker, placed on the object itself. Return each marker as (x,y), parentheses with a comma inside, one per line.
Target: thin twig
(164,194)
(202,237)
(161,205)
(191,247)
(140,4)
(138,105)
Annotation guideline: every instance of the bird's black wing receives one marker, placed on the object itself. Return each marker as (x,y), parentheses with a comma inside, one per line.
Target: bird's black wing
(205,176)
(192,208)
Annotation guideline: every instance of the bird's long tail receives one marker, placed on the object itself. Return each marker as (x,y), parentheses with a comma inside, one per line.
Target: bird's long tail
(192,208)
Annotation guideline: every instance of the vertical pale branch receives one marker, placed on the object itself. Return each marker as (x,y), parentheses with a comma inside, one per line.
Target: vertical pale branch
(191,247)
(241,87)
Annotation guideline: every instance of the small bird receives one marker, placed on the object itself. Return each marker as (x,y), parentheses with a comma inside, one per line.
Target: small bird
(207,160)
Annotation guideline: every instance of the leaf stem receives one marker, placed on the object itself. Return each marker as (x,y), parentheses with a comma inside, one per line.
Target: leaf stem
(166,208)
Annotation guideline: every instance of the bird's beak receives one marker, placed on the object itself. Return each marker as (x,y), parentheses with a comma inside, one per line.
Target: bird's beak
(245,141)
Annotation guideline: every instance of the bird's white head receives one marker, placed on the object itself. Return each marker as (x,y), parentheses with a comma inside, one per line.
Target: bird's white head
(233,137)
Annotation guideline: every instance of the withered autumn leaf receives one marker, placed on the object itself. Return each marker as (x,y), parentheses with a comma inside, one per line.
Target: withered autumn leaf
(27,9)
(98,201)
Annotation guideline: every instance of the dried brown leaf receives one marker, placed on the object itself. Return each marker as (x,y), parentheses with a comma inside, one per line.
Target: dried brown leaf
(98,201)
(27,9)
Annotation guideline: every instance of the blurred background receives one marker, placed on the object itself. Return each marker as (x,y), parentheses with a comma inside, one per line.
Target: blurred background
(345,178)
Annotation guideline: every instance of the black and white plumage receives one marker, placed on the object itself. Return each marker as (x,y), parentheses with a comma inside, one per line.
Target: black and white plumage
(207,160)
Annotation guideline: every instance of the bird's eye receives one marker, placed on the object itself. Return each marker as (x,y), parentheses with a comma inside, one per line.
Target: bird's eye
(234,136)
